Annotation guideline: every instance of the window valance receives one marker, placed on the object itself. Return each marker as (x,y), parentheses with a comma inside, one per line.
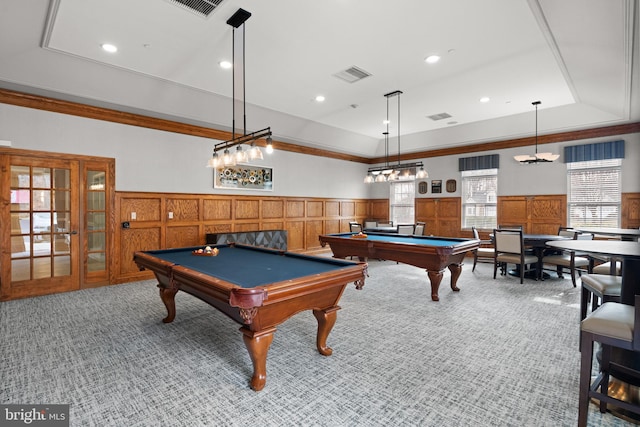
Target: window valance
(490,161)
(596,151)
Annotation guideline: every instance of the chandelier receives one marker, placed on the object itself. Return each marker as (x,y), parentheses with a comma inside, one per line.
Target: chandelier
(398,171)
(231,158)
(537,157)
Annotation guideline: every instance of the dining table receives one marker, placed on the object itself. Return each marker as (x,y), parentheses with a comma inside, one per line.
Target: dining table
(622,384)
(627,251)
(626,234)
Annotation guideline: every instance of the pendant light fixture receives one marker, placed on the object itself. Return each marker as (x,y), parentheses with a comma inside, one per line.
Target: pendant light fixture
(537,157)
(239,155)
(399,171)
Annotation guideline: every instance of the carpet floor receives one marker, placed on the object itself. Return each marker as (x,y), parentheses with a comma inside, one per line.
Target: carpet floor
(497,353)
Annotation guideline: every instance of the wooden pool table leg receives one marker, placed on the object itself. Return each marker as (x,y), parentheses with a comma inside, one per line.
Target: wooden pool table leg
(326,319)
(455,270)
(167,295)
(258,344)
(435,277)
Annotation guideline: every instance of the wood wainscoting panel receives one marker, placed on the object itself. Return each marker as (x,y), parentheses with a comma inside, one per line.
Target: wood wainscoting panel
(145,208)
(442,216)
(362,209)
(332,226)
(512,210)
(270,225)
(246,226)
(547,213)
(217,228)
(295,235)
(183,209)
(348,209)
(195,215)
(542,214)
(379,209)
(425,209)
(295,209)
(247,209)
(332,208)
(182,236)
(313,230)
(137,239)
(217,209)
(272,208)
(630,210)
(447,228)
(315,209)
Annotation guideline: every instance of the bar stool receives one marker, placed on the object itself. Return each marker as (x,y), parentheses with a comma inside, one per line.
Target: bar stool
(598,288)
(612,325)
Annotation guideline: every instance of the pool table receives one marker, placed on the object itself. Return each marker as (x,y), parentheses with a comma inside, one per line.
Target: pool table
(431,253)
(258,288)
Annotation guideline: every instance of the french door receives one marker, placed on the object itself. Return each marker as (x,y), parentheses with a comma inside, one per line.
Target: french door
(53,223)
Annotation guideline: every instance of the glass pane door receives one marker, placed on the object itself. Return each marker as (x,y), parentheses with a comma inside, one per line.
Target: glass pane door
(43,257)
(96,221)
(40,213)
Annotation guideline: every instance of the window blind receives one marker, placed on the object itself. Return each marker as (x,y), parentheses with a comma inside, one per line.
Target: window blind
(479,198)
(594,193)
(402,202)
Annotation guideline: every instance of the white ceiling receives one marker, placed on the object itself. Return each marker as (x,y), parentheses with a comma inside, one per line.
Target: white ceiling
(579,57)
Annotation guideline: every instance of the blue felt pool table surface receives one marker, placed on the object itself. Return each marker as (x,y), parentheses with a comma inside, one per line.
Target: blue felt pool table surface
(249,267)
(404,239)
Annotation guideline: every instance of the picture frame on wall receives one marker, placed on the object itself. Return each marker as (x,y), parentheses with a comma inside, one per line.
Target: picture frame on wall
(243,177)
(436,186)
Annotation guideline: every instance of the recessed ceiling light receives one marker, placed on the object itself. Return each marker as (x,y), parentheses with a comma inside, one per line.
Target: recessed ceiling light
(485,99)
(225,64)
(432,59)
(320,98)
(108,47)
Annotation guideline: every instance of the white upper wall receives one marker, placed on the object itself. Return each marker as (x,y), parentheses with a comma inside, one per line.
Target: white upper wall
(515,179)
(149,160)
(156,161)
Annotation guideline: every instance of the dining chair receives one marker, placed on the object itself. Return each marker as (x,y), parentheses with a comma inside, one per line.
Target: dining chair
(370,224)
(509,227)
(613,325)
(509,249)
(385,224)
(605,268)
(598,289)
(419,230)
(355,227)
(485,253)
(569,259)
(405,228)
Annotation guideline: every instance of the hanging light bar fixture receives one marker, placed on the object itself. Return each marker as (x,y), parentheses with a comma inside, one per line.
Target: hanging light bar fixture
(393,172)
(537,157)
(239,155)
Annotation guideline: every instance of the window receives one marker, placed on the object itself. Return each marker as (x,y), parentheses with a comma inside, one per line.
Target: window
(594,193)
(402,202)
(479,198)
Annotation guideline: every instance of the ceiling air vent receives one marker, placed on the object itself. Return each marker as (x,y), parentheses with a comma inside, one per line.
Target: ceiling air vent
(352,74)
(440,116)
(199,7)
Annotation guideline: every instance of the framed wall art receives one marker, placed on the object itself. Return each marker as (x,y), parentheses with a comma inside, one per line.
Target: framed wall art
(243,177)
(436,186)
